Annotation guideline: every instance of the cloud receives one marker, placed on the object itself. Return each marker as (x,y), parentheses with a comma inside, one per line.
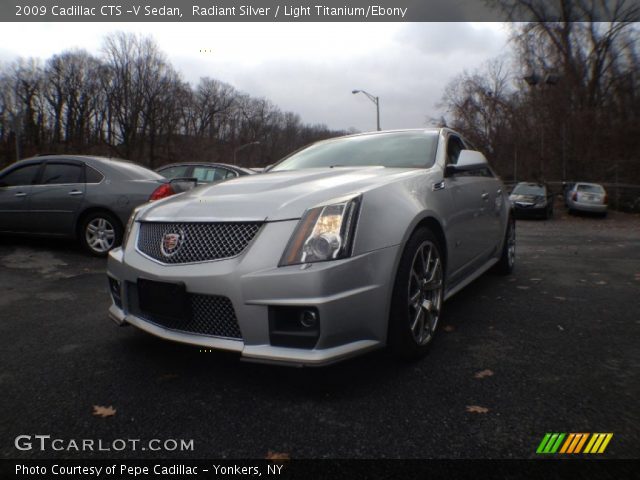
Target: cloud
(306,68)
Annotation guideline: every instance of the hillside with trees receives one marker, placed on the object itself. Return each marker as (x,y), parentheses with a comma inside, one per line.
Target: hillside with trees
(565,103)
(130,102)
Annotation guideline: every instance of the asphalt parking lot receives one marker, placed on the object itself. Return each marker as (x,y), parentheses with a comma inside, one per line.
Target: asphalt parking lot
(552,348)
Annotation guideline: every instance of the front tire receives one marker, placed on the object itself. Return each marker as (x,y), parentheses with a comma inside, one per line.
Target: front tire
(418,295)
(507,260)
(99,233)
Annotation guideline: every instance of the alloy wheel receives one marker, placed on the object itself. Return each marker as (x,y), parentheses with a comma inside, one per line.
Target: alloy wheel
(100,235)
(425,292)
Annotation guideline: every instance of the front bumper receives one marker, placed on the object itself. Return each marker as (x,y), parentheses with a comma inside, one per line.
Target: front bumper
(530,211)
(351,297)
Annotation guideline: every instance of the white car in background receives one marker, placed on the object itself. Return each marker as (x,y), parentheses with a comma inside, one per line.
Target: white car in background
(587,197)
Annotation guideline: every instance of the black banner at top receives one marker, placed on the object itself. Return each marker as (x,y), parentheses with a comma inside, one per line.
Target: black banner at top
(317,10)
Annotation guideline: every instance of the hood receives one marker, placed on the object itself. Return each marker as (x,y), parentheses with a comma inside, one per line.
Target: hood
(272,196)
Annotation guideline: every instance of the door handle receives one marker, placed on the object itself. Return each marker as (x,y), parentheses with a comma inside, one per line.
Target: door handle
(485,196)
(21,194)
(75,192)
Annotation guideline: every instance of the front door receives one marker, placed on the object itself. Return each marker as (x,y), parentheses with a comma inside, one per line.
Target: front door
(56,199)
(15,191)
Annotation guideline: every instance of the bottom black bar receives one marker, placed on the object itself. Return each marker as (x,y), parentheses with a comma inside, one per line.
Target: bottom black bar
(310,469)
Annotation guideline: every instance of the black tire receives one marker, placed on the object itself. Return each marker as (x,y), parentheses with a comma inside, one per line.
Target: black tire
(99,232)
(507,260)
(427,290)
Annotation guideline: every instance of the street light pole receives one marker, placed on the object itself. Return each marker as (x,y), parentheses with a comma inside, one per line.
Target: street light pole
(375,100)
(549,79)
(242,147)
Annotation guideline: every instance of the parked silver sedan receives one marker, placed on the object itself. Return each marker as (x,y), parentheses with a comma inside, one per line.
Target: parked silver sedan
(203,172)
(587,197)
(347,245)
(89,198)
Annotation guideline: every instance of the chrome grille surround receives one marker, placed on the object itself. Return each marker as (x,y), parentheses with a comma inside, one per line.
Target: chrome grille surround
(199,242)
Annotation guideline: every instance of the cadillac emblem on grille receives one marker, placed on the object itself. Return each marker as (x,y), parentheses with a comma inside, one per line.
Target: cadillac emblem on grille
(171,243)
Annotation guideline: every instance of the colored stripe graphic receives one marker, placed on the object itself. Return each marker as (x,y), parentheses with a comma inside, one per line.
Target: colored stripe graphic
(550,443)
(598,442)
(573,443)
(567,443)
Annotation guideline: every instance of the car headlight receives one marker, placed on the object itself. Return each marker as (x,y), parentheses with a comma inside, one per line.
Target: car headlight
(323,233)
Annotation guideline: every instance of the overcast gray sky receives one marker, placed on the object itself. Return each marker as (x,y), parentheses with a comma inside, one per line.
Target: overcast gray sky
(307,68)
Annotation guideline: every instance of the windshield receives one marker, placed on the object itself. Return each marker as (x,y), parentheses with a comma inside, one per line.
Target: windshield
(415,149)
(524,189)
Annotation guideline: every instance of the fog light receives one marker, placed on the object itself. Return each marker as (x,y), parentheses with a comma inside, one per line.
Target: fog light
(308,319)
(295,327)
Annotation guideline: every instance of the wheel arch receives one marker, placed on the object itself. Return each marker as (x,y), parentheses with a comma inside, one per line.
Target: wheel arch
(432,223)
(94,209)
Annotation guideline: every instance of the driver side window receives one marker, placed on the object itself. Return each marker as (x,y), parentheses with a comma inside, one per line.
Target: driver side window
(454,147)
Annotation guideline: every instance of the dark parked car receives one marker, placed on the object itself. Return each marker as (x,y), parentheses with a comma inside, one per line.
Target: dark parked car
(89,198)
(203,172)
(532,200)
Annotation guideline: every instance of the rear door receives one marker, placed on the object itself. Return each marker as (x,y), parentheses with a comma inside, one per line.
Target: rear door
(57,198)
(15,190)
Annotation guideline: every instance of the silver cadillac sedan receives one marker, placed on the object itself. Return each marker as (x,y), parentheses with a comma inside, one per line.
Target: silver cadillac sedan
(344,246)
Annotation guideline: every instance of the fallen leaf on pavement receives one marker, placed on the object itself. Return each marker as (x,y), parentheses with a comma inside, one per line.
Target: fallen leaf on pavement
(100,411)
(484,373)
(449,328)
(560,328)
(476,409)
(560,298)
(277,456)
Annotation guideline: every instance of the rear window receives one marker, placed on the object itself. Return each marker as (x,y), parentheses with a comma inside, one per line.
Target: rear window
(208,174)
(61,173)
(175,172)
(92,175)
(590,188)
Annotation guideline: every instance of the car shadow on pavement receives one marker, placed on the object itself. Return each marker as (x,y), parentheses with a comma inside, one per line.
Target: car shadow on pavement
(52,245)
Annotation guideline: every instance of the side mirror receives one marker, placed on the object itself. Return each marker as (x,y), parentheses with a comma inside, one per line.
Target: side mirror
(467,160)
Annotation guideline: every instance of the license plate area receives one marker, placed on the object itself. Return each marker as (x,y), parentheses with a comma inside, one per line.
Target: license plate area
(164,299)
